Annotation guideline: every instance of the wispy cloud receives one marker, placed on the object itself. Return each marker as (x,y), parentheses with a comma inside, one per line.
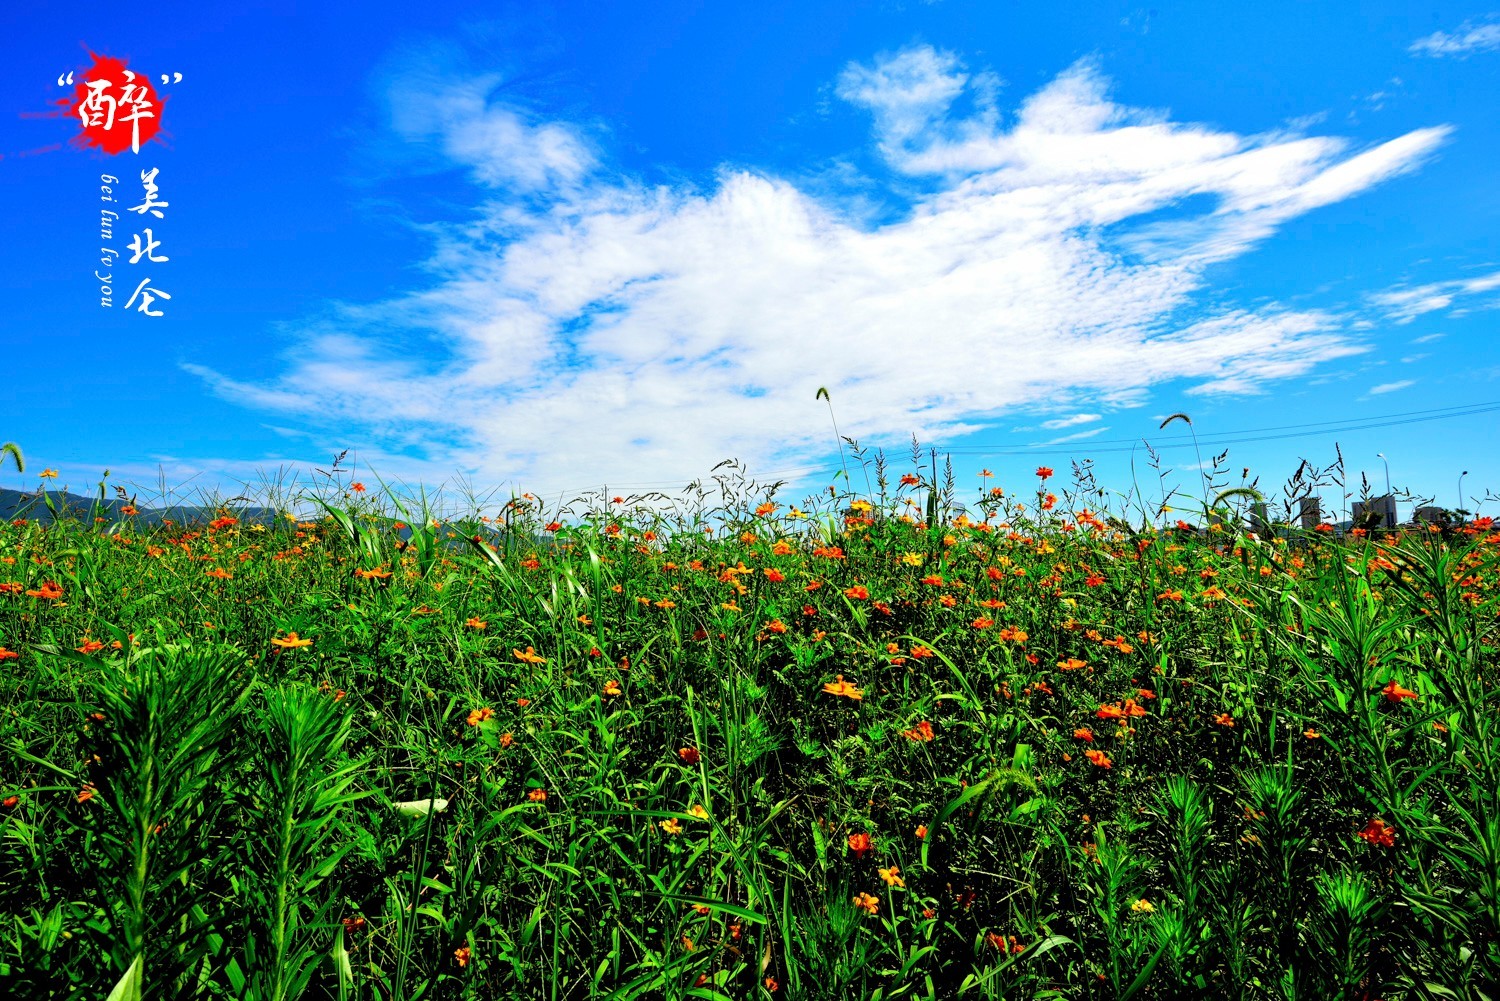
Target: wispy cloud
(588,327)
(1391,387)
(1405,303)
(1067,422)
(1078,436)
(1469,38)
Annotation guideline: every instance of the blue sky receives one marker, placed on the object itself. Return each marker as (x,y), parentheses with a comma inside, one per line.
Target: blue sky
(551,247)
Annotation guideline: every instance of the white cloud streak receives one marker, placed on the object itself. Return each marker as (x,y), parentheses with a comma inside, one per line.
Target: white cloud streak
(1468,39)
(591,328)
(1404,304)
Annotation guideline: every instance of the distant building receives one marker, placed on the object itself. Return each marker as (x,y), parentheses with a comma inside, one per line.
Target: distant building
(1430,514)
(1377,512)
(1310,513)
(1260,521)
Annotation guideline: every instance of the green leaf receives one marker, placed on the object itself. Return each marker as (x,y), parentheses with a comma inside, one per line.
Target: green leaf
(129,987)
(420,807)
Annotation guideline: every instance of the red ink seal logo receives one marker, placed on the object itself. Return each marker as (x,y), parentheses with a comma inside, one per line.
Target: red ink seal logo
(118,108)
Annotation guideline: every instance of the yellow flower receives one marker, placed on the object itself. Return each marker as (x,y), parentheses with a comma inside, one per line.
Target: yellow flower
(530,656)
(48,474)
(842,687)
(699,812)
(612,689)
(867,902)
(890,876)
(671,826)
(291,641)
(1143,906)
(912,559)
(474,623)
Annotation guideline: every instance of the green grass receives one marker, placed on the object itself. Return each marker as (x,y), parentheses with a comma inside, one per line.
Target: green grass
(613,767)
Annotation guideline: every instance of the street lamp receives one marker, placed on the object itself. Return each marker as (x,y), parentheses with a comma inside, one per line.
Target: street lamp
(1389,502)
(1461,489)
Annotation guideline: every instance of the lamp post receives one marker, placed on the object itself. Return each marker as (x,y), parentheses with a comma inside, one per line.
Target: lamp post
(1461,489)
(1389,502)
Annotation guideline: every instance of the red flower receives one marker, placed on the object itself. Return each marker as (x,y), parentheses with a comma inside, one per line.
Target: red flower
(859,844)
(689,755)
(1378,832)
(1396,693)
(1044,471)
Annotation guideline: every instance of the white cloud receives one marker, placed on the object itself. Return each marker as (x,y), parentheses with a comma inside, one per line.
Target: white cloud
(1405,303)
(585,327)
(1391,387)
(1469,37)
(1067,422)
(1077,436)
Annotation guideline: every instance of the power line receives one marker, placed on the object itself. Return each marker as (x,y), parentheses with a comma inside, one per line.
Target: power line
(1225,437)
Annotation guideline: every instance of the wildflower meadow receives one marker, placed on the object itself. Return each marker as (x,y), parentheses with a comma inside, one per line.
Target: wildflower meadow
(863,747)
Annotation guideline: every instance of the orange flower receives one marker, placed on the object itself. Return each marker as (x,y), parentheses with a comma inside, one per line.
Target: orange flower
(1084,733)
(890,876)
(10,801)
(291,641)
(1071,664)
(462,955)
(537,795)
(612,689)
(89,646)
(474,623)
(530,656)
(1396,693)
(921,832)
(87,792)
(1224,719)
(506,739)
(1311,734)
(922,732)
(1378,832)
(357,487)
(1098,758)
(8,654)
(867,902)
(859,844)
(858,592)
(1044,471)
(478,716)
(50,590)
(1116,711)
(689,755)
(842,687)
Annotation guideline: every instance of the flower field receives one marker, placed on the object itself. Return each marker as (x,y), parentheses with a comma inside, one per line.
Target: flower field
(747,751)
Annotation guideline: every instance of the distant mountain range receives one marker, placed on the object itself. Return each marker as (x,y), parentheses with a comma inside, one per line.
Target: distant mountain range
(19,504)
